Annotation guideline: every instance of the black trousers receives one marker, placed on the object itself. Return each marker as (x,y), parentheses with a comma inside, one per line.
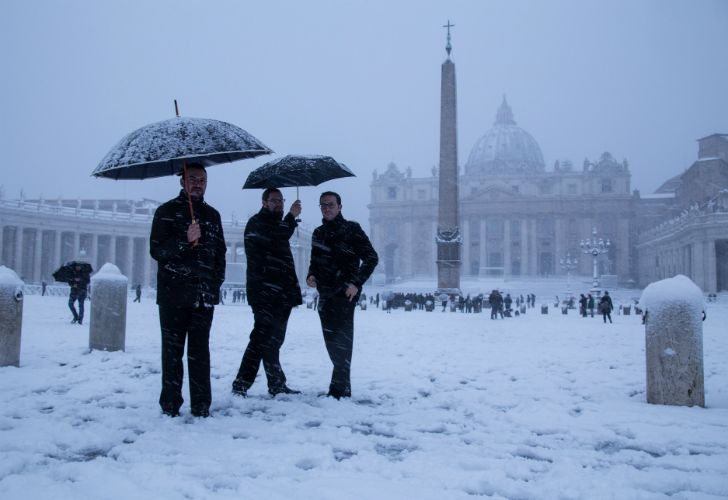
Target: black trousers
(72,298)
(179,324)
(266,340)
(337,323)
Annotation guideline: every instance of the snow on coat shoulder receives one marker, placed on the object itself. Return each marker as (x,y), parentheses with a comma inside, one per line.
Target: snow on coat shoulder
(668,292)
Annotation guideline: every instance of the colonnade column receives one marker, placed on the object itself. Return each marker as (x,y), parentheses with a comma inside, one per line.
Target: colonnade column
(534,247)
(524,248)
(559,252)
(76,245)
(57,258)
(147,262)
(466,248)
(129,258)
(112,250)
(94,257)
(19,251)
(2,241)
(483,252)
(507,268)
(37,265)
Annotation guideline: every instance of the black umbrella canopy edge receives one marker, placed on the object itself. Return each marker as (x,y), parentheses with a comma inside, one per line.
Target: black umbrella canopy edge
(266,176)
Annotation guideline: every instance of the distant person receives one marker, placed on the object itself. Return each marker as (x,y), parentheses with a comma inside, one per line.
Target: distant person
(43,286)
(79,282)
(342,259)
(590,304)
(138,294)
(606,306)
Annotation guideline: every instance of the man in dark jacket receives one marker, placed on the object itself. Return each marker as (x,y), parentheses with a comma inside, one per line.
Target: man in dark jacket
(273,291)
(606,306)
(190,253)
(79,290)
(342,259)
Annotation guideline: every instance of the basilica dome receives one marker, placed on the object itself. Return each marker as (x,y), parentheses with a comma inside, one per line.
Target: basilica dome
(505,149)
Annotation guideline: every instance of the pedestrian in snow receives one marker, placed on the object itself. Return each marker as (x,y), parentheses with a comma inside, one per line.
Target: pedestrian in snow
(273,291)
(590,304)
(582,305)
(43,286)
(191,268)
(79,291)
(342,259)
(138,294)
(606,306)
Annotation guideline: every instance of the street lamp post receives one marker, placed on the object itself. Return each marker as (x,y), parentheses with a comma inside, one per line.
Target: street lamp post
(568,264)
(595,247)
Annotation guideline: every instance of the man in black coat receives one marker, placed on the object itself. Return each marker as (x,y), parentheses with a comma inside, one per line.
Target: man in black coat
(606,306)
(191,268)
(80,279)
(273,291)
(342,259)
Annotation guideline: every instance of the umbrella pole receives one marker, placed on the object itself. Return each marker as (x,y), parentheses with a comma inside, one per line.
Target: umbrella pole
(297,220)
(189,198)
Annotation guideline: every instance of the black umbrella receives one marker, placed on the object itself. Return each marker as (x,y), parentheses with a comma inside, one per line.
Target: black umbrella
(296,170)
(65,273)
(166,147)
(163,148)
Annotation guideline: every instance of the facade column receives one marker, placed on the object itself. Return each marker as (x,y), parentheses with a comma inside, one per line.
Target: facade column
(57,257)
(94,257)
(19,251)
(711,285)
(38,255)
(2,247)
(483,252)
(507,268)
(406,253)
(534,248)
(559,252)
(76,245)
(147,261)
(524,248)
(129,259)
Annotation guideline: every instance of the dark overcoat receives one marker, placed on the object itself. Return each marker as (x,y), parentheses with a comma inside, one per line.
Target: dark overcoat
(187,274)
(271,273)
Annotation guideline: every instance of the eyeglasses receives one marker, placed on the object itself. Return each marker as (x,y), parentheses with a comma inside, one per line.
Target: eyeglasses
(276,201)
(328,205)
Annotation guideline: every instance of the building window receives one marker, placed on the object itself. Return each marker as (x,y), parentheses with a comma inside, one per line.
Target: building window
(516,189)
(421,194)
(571,188)
(392,193)
(606,185)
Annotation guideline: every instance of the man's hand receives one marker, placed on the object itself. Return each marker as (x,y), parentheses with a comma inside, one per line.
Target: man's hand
(295,210)
(351,292)
(311,281)
(193,233)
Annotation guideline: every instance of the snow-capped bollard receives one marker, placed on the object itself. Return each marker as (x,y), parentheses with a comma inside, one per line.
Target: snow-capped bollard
(107,330)
(674,342)
(11,316)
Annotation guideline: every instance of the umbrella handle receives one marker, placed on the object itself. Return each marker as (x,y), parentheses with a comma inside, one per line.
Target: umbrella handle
(189,199)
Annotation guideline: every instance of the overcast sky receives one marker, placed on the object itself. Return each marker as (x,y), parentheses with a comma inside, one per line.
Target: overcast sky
(357,80)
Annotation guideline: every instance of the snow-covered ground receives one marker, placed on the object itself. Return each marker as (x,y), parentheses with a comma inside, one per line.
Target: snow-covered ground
(445,406)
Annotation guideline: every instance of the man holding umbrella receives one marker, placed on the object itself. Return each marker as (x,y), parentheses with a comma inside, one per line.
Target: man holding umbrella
(79,280)
(272,291)
(342,259)
(191,269)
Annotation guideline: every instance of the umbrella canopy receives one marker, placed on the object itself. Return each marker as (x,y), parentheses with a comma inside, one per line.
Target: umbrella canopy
(162,148)
(66,272)
(296,170)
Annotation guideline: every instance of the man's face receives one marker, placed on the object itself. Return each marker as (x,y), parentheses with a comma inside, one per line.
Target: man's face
(275,202)
(195,183)
(329,207)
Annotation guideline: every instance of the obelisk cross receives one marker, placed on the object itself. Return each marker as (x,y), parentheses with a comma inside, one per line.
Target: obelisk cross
(448,47)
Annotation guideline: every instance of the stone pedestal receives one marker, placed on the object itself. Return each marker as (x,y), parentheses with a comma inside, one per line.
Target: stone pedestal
(107,330)
(674,342)
(11,316)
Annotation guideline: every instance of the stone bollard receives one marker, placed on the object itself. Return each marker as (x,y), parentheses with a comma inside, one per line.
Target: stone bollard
(674,342)
(11,316)
(544,309)
(107,330)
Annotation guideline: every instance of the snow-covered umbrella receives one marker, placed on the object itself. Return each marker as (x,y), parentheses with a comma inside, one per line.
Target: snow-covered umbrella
(165,148)
(296,170)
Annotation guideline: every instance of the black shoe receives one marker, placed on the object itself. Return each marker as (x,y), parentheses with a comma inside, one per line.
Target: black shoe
(201,413)
(74,320)
(239,389)
(171,413)
(282,390)
(80,321)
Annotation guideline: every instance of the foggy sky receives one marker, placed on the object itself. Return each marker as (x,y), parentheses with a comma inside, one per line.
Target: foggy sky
(356,80)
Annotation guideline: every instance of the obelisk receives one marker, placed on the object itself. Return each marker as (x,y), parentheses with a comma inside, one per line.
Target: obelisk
(448,233)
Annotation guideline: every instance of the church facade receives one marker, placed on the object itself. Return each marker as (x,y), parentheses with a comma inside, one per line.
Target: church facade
(517,218)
